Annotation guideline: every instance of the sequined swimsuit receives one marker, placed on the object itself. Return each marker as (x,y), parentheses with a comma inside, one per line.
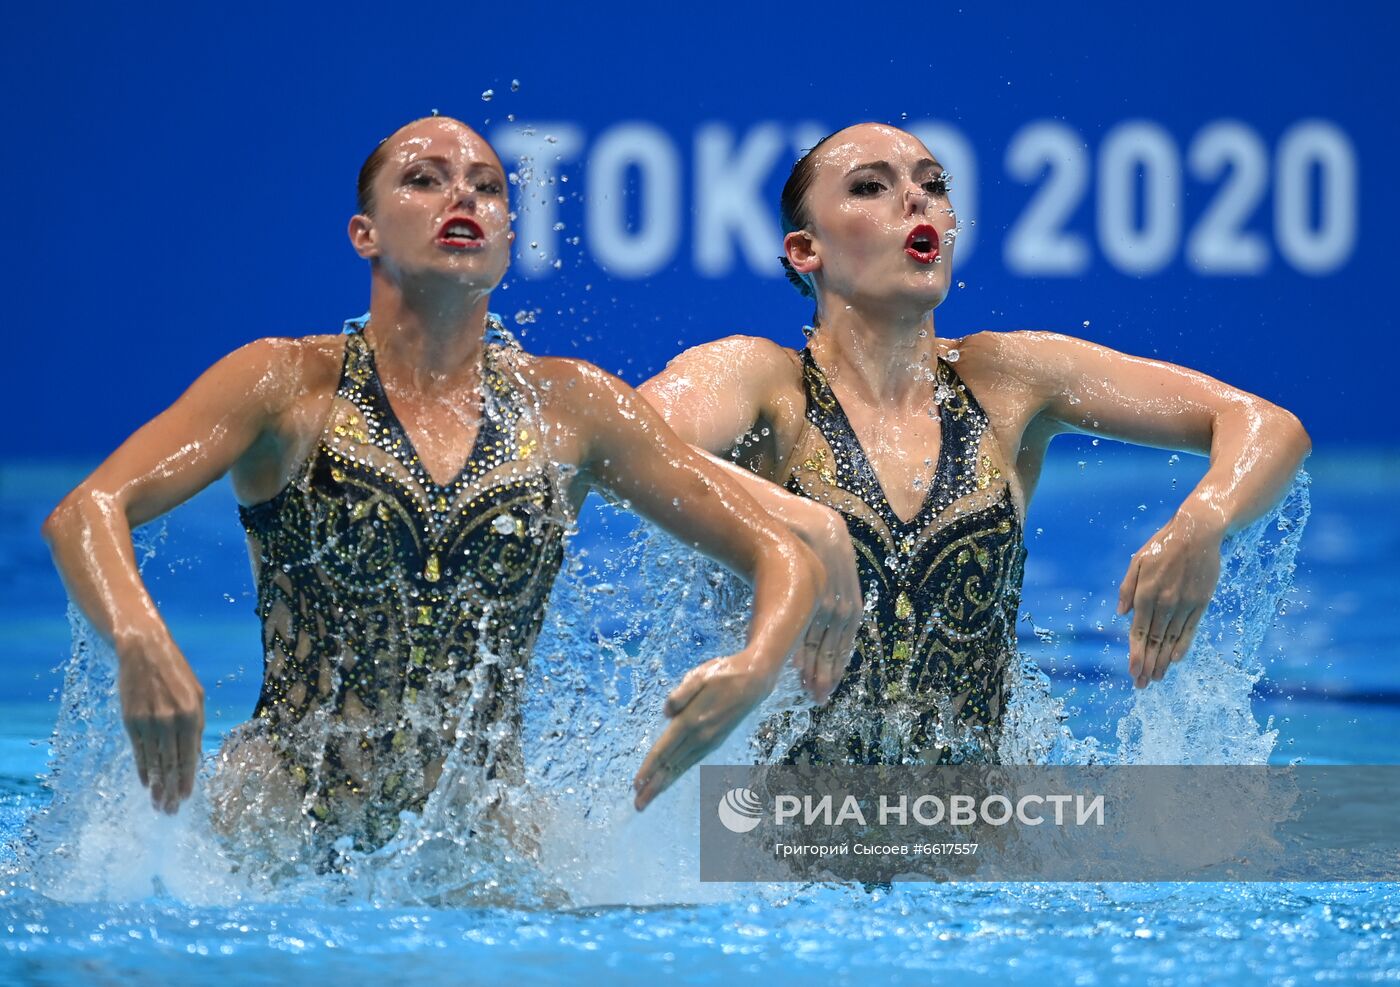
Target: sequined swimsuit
(397,614)
(927,680)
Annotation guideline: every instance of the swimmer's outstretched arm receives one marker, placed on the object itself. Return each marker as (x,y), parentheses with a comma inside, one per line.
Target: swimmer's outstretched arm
(1255,450)
(217,421)
(621,445)
(712,396)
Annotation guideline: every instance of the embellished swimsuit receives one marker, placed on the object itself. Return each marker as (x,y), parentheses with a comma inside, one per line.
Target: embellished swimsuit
(942,590)
(398,614)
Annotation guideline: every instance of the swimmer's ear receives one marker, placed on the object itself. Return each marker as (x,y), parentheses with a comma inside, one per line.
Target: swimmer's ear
(363,236)
(801,252)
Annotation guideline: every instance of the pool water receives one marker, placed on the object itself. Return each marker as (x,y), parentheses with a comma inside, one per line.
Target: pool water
(1332,688)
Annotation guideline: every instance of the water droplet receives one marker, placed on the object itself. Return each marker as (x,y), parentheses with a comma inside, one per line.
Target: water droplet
(515,85)
(504,524)
(962,284)
(1086,323)
(488,95)
(953,356)
(558,227)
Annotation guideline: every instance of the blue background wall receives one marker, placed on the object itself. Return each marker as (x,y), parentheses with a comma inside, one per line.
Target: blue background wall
(178,179)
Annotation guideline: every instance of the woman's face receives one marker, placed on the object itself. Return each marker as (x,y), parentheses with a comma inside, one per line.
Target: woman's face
(440,206)
(879,220)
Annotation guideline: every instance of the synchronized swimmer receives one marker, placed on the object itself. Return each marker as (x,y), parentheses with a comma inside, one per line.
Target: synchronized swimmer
(405,487)
(906,461)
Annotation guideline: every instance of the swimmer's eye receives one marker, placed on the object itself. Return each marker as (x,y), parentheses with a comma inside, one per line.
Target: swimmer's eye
(870,187)
(937,186)
(422,179)
(490,188)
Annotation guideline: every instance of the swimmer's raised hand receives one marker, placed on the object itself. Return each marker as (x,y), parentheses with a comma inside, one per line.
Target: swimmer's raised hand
(1170,581)
(622,446)
(710,701)
(831,636)
(163,711)
(713,396)
(231,415)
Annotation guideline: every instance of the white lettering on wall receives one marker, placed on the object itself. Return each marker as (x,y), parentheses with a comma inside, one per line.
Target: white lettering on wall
(1139,218)
(1220,244)
(633,253)
(1321,247)
(729,199)
(1038,244)
(1129,149)
(540,152)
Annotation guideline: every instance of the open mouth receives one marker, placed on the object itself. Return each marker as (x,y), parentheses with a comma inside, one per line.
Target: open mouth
(922,244)
(460,234)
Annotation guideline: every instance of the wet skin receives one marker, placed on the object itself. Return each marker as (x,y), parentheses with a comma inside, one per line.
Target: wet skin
(872,187)
(437,237)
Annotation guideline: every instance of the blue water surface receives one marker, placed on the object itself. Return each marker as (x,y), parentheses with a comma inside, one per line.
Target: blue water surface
(1332,688)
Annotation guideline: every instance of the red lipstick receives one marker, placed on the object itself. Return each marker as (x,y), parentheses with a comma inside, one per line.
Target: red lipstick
(922,244)
(460,233)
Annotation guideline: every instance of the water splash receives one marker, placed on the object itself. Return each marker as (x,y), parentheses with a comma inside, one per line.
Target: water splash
(1201,711)
(631,612)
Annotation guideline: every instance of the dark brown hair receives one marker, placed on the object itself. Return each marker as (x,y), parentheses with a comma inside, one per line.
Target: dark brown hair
(364,188)
(792,207)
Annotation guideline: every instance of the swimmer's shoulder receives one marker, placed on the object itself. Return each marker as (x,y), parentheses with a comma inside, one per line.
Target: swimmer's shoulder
(567,382)
(755,357)
(749,369)
(310,360)
(1023,359)
(578,401)
(283,372)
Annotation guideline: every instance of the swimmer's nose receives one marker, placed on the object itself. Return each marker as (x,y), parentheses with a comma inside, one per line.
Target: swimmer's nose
(915,201)
(464,196)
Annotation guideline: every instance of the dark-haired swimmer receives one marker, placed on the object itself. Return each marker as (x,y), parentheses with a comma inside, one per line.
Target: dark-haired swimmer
(928,450)
(404,488)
